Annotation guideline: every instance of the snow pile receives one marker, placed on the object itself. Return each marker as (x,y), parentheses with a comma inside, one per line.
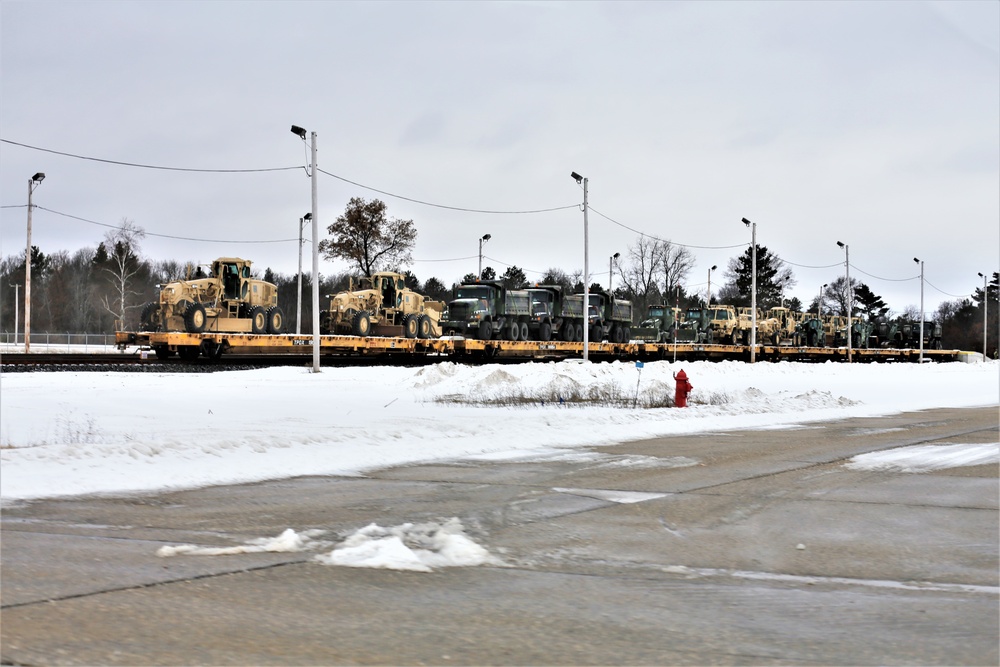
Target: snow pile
(288,541)
(925,458)
(417,547)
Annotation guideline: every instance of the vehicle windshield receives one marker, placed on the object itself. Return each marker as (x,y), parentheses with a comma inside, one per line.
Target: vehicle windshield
(473,292)
(656,312)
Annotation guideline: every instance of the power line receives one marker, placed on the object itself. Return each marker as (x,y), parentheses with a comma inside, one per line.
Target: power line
(452,259)
(657,238)
(150,166)
(892,280)
(163,236)
(451,208)
(957,296)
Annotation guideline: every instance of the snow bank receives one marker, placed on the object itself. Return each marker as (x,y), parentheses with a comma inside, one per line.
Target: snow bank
(77,433)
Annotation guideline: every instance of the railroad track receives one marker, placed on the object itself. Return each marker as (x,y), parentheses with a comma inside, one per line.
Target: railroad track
(135,362)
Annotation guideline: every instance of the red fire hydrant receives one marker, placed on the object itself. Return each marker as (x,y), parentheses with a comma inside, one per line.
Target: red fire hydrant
(683,389)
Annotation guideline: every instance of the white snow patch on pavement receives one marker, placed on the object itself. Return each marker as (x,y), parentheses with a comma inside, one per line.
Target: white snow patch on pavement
(925,458)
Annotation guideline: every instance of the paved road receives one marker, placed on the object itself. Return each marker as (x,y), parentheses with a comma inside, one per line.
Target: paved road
(896,569)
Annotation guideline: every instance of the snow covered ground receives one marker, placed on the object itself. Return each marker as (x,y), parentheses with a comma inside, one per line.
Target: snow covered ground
(75,433)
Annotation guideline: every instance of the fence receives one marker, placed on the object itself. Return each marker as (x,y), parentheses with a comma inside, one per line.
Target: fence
(58,342)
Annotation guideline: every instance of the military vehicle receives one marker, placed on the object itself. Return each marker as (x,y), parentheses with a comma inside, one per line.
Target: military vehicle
(228,299)
(722,324)
(659,324)
(612,320)
(789,330)
(486,310)
(384,306)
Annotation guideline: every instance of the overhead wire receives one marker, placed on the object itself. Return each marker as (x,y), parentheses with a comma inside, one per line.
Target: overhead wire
(149,166)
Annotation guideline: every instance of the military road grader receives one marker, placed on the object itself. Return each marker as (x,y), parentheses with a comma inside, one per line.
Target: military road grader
(384,306)
(228,300)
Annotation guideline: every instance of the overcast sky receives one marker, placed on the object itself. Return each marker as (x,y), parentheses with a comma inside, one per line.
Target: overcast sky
(872,123)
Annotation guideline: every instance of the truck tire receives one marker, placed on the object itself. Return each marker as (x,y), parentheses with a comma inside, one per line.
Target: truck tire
(361,325)
(423,327)
(410,328)
(513,330)
(524,333)
(545,331)
(485,330)
(258,320)
(149,319)
(195,318)
(578,333)
(568,331)
(275,320)
(596,334)
(626,334)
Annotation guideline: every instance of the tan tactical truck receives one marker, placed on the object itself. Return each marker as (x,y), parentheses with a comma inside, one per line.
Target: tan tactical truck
(723,324)
(225,300)
(384,306)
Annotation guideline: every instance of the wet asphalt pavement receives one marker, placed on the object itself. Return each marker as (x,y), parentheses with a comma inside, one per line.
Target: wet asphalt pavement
(754,548)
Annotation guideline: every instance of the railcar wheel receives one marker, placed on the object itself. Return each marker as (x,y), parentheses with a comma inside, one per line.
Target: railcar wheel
(162,352)
(188,352)
(195,318)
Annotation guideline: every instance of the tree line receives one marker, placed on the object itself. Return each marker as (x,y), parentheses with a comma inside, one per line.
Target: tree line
(103,288)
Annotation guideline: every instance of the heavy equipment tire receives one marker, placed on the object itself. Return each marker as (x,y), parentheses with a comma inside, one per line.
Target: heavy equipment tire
(195,318)
(275,320)
(188,352)
(485,331)
(423,327)
(512,330)
(258,320)
(937,345)
(324,320)
(545,331)
(776,339)
(361,325)
(733,336)
(410,327)
(149,319)
(811,338)
(524,333)
(856,340)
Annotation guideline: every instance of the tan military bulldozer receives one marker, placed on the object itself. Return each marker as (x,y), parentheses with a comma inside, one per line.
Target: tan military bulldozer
(225,300)
(384,306)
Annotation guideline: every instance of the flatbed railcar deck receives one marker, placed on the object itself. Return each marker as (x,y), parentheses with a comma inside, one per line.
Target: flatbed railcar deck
(212,345)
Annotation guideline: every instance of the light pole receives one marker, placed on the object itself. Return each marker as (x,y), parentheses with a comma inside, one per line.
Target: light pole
(298,304)
(482,240)
(611,268)
(850,297)
(17,292)
(819,301)
(921,308)
(586,269)
(708,301)
(753,290)
(301,133)
(985,306)
(33,183)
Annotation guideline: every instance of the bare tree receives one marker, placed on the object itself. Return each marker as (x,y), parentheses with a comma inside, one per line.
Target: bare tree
(122,265)
(367,238)
(675,264)
(639,272)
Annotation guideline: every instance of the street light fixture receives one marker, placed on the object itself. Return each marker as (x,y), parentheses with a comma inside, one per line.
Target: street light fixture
(921,308)
(985,306)
(753,290)
(708,301)
(586,269)
(819,301)
(33,183)
(301,133)
(611,268)
(850,298)
(298,306)
(482,240)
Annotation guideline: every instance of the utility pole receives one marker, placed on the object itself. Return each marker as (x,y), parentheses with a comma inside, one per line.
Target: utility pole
(301,133)
(850,297)
(32,184)
(611,268)
(586,270)
(483,239)
(753,290)
(921,308)
(985,308)
(708,299)
(16,287)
